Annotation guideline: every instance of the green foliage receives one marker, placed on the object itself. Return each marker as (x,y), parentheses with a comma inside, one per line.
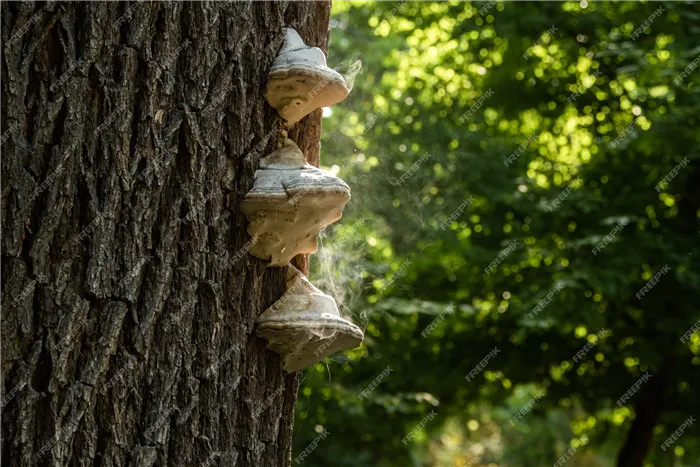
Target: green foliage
(446,95)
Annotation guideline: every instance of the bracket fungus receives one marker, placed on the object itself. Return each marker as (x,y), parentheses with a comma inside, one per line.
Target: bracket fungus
(304,325)
(290,203)
(300,80)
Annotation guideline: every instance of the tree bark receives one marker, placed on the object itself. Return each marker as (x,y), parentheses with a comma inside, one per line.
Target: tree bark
(130,136)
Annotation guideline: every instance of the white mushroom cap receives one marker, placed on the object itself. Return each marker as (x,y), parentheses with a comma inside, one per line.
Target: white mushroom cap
(300,80)
(290,203)
(305,326)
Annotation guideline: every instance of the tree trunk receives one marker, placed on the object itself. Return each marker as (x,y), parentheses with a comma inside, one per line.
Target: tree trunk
(647,411)
(130,136)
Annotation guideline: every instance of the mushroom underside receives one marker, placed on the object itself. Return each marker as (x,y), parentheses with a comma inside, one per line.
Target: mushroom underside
(285,226)
(304,326)
(298,90)
(301,344)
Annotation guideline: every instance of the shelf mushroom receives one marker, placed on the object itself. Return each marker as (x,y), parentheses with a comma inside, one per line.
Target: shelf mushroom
(301,82)
(304,326)
(290,203)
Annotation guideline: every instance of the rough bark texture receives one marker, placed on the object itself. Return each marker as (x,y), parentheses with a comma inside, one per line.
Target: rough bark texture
(128,300)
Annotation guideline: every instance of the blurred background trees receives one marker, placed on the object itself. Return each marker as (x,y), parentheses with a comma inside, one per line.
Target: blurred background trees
(511,197)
